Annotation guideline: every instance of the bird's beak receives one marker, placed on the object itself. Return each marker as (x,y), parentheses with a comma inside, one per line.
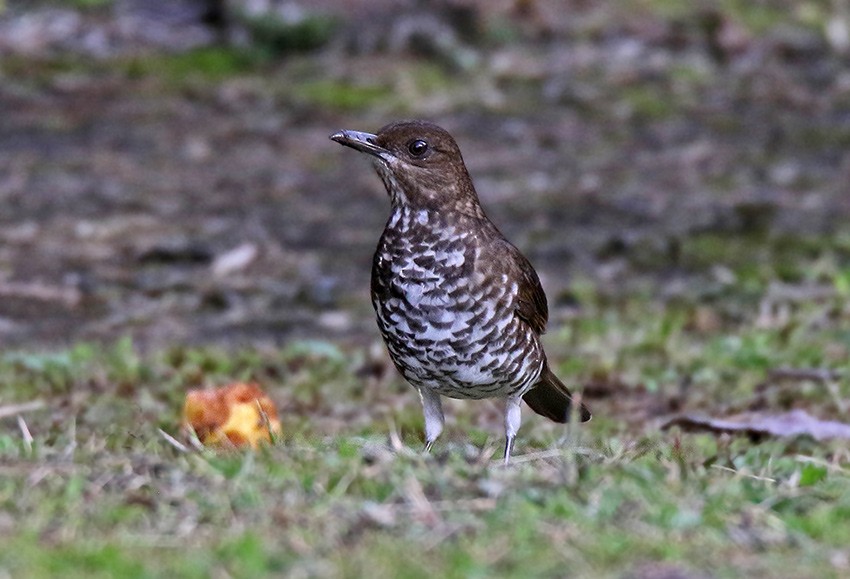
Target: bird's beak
(364,142)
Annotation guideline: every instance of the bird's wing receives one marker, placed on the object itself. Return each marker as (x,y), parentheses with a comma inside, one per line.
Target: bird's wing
(530,301)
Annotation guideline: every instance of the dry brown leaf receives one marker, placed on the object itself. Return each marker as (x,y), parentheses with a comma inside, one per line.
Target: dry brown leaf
(759,424)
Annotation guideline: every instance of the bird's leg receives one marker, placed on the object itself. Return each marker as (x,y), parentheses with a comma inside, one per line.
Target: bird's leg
(433,410)
(513,417)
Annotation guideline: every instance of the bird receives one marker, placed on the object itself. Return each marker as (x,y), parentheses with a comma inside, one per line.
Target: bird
(460,308)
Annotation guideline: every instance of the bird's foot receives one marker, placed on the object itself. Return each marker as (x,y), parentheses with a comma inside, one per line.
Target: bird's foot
(509,446)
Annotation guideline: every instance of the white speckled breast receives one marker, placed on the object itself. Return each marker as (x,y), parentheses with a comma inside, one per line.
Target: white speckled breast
(446,326)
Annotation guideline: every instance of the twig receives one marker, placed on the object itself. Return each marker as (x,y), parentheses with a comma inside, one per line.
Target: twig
(25,433)
(266,421)
(173,441)
(739,473)
(561,452)
(15,409)
(539,455)
(194,441)
(395,440)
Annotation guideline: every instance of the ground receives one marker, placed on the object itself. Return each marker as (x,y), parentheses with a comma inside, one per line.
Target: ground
(174,216)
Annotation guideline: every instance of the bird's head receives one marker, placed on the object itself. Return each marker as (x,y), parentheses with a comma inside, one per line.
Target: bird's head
(419,163)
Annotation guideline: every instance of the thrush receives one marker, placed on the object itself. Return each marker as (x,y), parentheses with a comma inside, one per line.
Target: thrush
(460,308)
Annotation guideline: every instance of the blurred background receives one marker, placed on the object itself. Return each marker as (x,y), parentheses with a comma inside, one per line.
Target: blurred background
(166,173)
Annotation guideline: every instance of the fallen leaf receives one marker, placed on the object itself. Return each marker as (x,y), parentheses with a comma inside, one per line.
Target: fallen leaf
(759,424)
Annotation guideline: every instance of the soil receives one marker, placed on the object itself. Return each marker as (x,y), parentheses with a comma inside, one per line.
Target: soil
(198,206)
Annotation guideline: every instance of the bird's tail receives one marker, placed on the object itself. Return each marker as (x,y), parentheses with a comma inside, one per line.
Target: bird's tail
(552,399)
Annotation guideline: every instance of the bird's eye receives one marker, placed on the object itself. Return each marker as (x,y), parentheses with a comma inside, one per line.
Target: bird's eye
(417,148)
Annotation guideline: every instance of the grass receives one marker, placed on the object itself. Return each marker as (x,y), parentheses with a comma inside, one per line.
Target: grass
(337,95)
(96,490)
(90,487)
(211,64)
